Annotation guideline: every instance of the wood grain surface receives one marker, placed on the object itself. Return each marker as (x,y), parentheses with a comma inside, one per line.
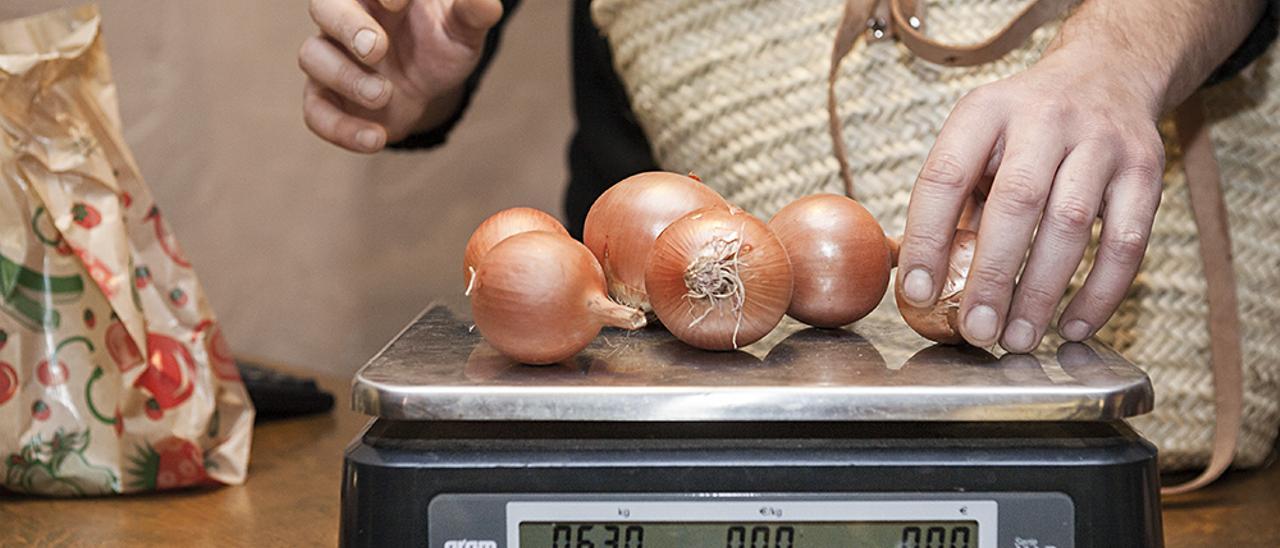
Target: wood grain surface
(291,499)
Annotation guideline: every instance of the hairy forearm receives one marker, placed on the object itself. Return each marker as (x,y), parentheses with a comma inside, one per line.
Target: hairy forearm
(1168,46)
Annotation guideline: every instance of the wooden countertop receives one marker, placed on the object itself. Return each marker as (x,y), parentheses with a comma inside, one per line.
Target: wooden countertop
(291,499)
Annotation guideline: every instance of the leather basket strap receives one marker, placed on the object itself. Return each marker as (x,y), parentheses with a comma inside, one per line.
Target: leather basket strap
(1204,183)
(1005,40)
(852,25)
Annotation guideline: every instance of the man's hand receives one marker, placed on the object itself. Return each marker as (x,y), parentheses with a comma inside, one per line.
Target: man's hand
(1070,139)
(381,70)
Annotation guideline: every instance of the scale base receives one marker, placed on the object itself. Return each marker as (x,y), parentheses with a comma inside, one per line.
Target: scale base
(1102,475)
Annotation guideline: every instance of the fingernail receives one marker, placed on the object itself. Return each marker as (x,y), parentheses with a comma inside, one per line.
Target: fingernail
(368,138)
(981,323)
(364,41)
(1076,330)
(918,287)
(372,88)
(1020,336)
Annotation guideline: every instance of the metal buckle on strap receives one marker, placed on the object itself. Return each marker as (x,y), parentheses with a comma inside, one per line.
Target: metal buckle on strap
(880,26)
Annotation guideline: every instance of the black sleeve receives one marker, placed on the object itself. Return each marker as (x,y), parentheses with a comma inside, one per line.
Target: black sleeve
(436,137)
(1264,33)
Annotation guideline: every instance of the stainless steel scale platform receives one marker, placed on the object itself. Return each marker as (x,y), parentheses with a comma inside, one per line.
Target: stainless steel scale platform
(864,436)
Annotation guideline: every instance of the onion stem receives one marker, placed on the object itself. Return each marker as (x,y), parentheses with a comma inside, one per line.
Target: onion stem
(713,276)
(614,314)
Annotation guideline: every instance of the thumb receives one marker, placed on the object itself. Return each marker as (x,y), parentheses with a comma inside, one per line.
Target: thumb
(469,20)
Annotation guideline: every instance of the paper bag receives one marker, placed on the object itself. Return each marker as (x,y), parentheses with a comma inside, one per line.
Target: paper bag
(114,374)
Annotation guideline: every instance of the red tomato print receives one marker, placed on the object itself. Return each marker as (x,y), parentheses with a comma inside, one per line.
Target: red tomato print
(85,215)
(168,243)
(98,270)
(122,348)
(118,423)
(178,297)
(154,412)
(40,410)
(169,371)
(8,382)
(181,464)
(141,277)
(90,320)
(4,339)
(169,464)
(220,357)
(126,199)
(51,373)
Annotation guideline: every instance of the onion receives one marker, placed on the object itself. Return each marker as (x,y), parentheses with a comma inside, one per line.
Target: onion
(500,226)
(538,297)
(719,279)
(839,257)
(624,222)
(941,322)
(894,244)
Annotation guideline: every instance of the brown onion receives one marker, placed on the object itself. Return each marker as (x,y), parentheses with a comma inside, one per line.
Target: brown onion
(624,222)
(894,243)
(839,258)
(538,297)
(500,226)
(941,322)
(719,279)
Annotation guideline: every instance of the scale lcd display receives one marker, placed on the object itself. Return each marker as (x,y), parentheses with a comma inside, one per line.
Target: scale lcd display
(853,534)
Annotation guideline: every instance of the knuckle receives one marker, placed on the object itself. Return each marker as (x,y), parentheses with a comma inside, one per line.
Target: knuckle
(931,242)
(1104,134)
(991,278)
(1036,299)
(1145,150)
(1085,305)
(1092,303)
(1147,173)
(978,97)
(1053,110)
(944,171)
(309,117)
(1126,246)
(349,77)
(1019,189)
(307,54)
(1071,215)
(312,115)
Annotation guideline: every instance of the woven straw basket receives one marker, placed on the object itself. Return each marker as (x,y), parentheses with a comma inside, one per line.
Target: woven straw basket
(735,90)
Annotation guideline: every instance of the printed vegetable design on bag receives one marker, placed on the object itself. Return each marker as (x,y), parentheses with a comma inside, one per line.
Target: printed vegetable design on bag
(58,467)
(167,242)
(116,421)
(224,364)
(8,379)
(25,294)
(170,368)
(51,371)
(90,267)
(85,215)
(171,463)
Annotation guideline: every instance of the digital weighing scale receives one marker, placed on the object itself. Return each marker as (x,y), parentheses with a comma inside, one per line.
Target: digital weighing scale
(864,437)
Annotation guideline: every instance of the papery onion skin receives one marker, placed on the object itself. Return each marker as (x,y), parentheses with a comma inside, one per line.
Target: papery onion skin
(625,221)
(500,226)
(839,259)
(762,267)
(539,298)
(941,322)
